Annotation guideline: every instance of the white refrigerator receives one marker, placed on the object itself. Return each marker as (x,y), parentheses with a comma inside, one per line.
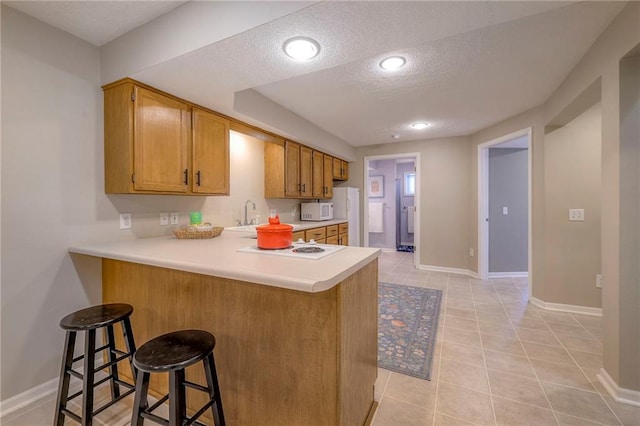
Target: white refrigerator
(346,205)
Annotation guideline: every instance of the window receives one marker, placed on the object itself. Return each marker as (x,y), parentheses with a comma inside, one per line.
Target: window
(409,184)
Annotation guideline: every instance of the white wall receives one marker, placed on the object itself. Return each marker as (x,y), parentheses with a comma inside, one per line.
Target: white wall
(53,194)
(51,191)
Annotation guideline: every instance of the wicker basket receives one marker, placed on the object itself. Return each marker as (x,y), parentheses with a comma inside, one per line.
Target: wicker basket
(187,234)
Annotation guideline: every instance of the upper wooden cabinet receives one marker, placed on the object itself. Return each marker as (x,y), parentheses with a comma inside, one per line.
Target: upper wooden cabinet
(318,175)
(328,178)
(159,144)
(340,169)
(210,159)
(306,172)
(292,170)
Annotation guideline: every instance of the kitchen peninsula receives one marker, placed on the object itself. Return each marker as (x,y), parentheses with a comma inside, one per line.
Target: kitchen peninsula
(296,338)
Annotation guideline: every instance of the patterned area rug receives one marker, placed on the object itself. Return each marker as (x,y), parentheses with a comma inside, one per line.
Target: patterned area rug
(407,326)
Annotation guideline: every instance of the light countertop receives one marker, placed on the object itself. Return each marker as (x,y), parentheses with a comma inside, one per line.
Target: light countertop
(219,257)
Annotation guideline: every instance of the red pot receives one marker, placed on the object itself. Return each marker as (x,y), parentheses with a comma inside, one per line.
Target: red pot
(275,235)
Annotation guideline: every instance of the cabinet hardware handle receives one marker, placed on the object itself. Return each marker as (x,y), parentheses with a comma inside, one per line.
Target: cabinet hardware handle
(186,176)
(304,187)
(198,178)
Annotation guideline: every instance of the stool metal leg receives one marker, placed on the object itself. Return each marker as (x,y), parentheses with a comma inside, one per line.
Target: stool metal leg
(214,389)
(177,403)
(65,377)
(88,377)
(140,402)
(113,370)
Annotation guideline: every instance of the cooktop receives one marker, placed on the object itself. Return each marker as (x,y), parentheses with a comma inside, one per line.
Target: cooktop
(298,250)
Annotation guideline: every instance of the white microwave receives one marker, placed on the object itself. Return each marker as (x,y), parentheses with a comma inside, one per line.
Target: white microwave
(316,211)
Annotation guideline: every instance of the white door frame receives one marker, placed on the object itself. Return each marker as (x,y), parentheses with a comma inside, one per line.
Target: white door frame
(483,201)
(416,200)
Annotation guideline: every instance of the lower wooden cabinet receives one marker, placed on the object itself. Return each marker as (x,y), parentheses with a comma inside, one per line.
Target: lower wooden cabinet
(343,234)
(330,234)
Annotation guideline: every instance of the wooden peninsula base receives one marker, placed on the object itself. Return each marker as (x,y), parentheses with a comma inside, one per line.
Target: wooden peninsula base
(284,357)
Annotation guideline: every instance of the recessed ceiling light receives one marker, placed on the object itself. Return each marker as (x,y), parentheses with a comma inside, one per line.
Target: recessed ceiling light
(301,48)
(395,136)
(393,63)
(420,125)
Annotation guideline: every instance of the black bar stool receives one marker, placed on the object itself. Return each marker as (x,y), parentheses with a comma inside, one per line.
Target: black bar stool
(89,320)
(172,353)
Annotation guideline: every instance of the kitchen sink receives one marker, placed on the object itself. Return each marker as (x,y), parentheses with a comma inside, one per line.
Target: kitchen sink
(242,228)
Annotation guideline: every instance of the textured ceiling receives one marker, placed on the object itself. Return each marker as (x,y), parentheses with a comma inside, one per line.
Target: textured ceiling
(97,22)
(470,64)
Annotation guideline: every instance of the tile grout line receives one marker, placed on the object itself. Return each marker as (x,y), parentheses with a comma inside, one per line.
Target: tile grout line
(484,358)
(585,374)
(443,315)
(526,354)
(546,323)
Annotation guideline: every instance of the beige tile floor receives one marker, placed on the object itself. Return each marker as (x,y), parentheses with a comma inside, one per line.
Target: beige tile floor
(498,361)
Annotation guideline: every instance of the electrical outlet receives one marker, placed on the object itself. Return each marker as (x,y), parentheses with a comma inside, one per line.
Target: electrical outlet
(599,280)
(125,220)
(164,219)
(576,215)
(175,218)
(470,252)
(505,211)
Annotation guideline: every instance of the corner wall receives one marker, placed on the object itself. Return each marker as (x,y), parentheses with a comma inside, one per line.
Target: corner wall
(572,181)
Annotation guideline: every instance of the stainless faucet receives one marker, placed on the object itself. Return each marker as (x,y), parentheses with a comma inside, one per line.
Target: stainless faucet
(246,221)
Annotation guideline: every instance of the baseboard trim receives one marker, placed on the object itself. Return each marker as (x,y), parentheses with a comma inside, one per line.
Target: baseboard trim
(621,395)
(572,309)
(28,397)
(36,393)
(460,271)
(524,274)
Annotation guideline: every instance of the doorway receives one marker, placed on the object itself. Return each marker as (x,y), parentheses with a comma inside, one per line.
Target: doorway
(391,203)
(494,211)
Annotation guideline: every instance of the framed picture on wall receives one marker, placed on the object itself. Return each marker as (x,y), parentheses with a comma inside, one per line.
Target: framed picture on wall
(376,186)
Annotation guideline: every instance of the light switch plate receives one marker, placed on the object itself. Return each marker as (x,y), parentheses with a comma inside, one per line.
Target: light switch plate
(576,215)
(505,210)
(164,219)
(175,218)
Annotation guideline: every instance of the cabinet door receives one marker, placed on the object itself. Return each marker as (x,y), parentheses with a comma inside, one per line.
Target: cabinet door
(343,240)
(318,175)
(306,166)
(210,172)
(315,234)
(328,176)
(292,169)
(332,240)
(344,170)
(160,142)
(337,169)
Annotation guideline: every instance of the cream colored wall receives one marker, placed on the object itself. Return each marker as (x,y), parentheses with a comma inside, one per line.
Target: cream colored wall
(572,177)
(444,196)
(602,61)
(630,220)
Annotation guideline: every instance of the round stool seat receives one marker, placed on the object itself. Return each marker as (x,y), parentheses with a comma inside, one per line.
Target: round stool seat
(174,351)
(96,316)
